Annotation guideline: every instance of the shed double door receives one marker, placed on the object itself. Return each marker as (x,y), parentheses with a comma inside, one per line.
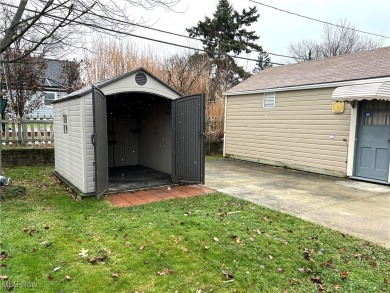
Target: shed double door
(188,117)
(373,141)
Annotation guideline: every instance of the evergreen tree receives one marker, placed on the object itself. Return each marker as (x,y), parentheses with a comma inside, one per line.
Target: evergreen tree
(263,61)
(223,34)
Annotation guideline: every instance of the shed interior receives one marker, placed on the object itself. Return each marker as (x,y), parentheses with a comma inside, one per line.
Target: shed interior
(139,129)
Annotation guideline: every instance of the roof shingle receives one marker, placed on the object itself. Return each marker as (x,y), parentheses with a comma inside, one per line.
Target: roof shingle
(354,66)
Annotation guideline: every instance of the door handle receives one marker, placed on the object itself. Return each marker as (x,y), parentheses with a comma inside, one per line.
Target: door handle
(93,139)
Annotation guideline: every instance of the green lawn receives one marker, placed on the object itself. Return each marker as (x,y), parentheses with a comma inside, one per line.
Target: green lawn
(211,243)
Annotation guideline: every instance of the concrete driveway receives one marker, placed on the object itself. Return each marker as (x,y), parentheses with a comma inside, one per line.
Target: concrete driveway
(353,207)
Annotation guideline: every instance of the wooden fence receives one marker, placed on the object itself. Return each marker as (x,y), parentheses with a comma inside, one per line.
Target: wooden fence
(28,131)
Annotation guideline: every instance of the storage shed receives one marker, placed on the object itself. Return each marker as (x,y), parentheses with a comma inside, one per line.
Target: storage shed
(329,116)
(130,132)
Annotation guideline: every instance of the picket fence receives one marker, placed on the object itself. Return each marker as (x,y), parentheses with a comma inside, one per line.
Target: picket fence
(27,131)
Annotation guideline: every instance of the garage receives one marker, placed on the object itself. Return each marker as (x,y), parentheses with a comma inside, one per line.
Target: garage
(128,133)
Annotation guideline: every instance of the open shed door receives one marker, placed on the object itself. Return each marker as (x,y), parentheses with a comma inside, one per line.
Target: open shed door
(99,141)
(188,139)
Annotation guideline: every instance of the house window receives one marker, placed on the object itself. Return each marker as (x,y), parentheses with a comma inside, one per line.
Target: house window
(65,123)
(49,98)
(269,100)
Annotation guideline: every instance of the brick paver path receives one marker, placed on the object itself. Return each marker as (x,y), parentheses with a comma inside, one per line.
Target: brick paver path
(158,194)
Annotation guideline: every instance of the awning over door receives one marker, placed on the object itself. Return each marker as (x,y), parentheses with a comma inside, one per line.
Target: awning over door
(359,92)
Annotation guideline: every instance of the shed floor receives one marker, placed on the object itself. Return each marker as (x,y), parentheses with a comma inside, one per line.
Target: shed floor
(136,177)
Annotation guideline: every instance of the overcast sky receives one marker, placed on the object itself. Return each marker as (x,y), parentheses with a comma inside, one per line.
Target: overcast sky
(276,29)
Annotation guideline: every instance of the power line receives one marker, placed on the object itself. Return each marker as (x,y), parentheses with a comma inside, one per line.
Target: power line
(318,20)
(141,37)
(176,34)
(168,43)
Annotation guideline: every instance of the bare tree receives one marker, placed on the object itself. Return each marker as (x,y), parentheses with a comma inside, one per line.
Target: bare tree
(55,24)
(336,40)
(24,80)
(183,72)
(71,75)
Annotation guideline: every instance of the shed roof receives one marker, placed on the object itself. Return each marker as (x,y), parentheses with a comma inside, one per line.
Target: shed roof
(354,66)
(103,83)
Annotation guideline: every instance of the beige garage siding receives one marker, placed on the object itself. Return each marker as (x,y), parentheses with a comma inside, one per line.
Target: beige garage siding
(301,132)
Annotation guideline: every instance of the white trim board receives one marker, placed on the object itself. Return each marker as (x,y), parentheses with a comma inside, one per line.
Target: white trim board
(310,86)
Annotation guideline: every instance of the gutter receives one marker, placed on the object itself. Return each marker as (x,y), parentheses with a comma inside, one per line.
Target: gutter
(309,86)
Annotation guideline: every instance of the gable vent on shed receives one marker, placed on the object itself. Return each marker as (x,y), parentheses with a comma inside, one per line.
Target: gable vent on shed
(140,78)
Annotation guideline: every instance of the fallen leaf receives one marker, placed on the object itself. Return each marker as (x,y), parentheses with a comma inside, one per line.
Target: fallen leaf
(46,243)
(67,278)
(9,286)
(328,264)
(216,239)
(316,279)
(3,277)
(115,275)
(165,272)
(307,254)
(227,274)
(141,247)
(344,275)
(92,260)
(56,269)
(279,270)
(238,240)
(50,277)
(84,252)
(251,239)
(336,286)
(301,270)
(321,287)
(271,257)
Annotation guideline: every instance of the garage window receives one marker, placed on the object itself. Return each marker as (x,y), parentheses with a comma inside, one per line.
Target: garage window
(269,100)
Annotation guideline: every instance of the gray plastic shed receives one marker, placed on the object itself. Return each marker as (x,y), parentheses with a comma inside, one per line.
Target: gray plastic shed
(127,133)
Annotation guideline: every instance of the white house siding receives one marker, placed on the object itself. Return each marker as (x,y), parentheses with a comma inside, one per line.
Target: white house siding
(68,147)
(301,132)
